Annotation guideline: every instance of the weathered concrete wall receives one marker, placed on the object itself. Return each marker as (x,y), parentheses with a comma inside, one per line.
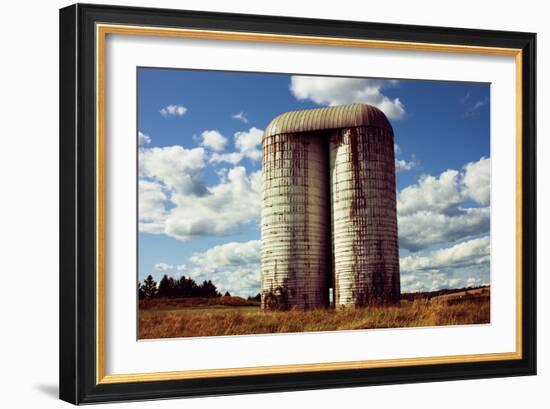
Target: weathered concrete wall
(364,218)
(295,222)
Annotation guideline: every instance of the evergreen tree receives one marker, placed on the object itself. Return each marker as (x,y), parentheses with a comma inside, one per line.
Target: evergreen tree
(186,287)
(164,287)
(149,287)
(207,289)
(172,291)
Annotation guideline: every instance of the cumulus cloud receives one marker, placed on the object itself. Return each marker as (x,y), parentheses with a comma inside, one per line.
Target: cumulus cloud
(233,267)
(426,228)
(175,203)
(337,91)
(143,139)
(213,140)
(174,166)
(173,110)
(466,264)
(477,181)
(432,211)
(469,253)
(240,116)
(223,209)
(248,144)
(431,194)
(152,210)
(402,165)
(229,157)
(229,255)
(173,200)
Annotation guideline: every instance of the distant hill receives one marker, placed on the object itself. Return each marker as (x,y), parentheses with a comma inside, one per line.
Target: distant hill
(448,294)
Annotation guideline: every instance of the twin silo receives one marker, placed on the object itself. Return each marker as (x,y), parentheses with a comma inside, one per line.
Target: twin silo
(329,209)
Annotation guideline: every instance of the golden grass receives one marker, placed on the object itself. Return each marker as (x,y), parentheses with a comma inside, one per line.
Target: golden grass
(219,320)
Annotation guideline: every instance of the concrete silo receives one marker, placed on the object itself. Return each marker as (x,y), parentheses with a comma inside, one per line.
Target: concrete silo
(295,217)
(328,209)
(363,209)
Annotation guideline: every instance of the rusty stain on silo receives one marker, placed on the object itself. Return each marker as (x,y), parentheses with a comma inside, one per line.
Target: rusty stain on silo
(329,209)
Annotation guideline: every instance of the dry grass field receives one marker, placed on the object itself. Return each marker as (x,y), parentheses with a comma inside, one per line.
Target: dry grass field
(170,318)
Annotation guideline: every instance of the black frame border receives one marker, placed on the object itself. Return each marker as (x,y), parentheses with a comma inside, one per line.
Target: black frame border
(77,380)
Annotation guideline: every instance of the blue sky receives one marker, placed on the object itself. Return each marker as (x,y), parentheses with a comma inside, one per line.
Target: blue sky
(199,164)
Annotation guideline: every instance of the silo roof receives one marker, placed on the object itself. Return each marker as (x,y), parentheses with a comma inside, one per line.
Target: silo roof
(336,117)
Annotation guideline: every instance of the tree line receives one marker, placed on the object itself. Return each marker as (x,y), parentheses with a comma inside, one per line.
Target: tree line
(170,287)
(181,287)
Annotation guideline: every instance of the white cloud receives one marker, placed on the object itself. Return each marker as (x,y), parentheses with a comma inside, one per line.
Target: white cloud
(433,211)
(241,116)
(426,228)
(229,255)
(475,282)
(402,165)
(477,181)
(248,144)
(469,253)
(152,210)
(163,267)
(143,139)
(174,201)
(466,264)
(411,283)
(176,167)
(229,157)
(337,91)
(431,194)
(173,110)
(233,267)
(223,209)
(213,140)
(446,192)
(171,269)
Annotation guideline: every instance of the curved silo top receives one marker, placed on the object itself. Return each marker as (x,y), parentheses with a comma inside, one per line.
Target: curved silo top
(337,117)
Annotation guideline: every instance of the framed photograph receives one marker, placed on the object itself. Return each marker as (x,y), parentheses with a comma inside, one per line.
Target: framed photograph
(257,203)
